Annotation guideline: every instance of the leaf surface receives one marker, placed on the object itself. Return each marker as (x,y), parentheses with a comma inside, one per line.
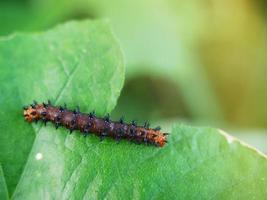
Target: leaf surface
(3,186)
(79,63)
(197,163)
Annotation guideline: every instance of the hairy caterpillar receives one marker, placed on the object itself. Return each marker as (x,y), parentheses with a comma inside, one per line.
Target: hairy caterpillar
(89,123)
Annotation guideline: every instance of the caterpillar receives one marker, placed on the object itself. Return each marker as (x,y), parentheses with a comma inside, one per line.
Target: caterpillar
(90,123)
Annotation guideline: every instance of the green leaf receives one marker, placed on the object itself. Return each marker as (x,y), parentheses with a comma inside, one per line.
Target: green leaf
(79,63)
(197,163)
(3,186)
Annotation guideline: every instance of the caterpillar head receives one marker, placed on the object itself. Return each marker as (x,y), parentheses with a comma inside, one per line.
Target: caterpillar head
(161,140)
(30,114)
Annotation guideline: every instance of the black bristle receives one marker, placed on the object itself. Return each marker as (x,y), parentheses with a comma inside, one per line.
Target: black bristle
(92,114)
(102,136)
(158,128)
(25,107)
(121,120)
(134,123)
(35,102)
(107,118)
(44,121)
(44,104)
(146,125)
(56,125)
(48,102)
(61,108)
(77,110)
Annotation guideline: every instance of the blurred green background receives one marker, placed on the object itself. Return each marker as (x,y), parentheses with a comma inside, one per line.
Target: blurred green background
(199,62)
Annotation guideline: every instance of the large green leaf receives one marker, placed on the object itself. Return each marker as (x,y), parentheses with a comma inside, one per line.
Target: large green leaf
(76,63)
(81,64)
(198,163)
(3,186)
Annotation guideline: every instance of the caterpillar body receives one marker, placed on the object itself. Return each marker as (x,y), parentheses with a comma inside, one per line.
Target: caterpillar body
(90,123)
